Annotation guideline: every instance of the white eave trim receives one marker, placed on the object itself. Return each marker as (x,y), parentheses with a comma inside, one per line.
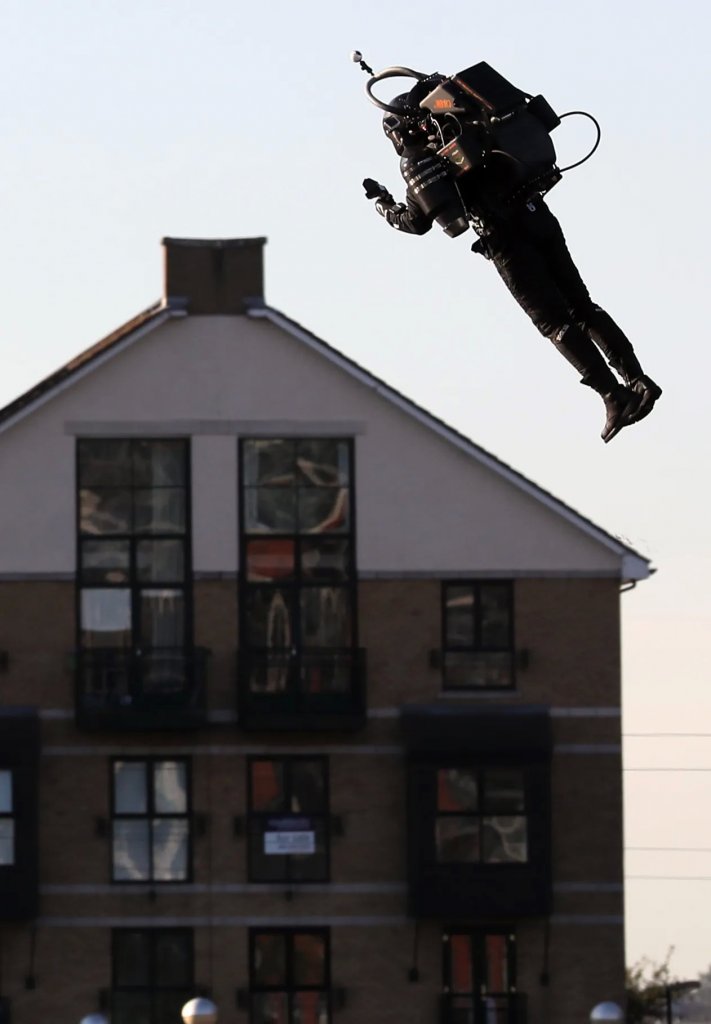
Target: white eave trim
(633,566)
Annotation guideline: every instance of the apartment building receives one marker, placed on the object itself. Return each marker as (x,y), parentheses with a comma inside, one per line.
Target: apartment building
(307,702)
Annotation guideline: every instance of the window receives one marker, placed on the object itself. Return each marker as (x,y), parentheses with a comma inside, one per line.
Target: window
(288,819)
(478,635)
(298,607)
(150,820)
(152,974)
(133,566)
(481,816)
(479,977)
(7,819)
(289,976)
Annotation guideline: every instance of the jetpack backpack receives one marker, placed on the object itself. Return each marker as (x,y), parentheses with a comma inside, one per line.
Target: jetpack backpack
(484,121)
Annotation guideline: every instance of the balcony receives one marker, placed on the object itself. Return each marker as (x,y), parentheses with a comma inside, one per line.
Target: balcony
(152,689)
(509,1008)
(318,689)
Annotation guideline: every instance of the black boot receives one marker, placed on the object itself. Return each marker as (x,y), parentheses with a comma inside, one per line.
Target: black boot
(622,406)
(648,392)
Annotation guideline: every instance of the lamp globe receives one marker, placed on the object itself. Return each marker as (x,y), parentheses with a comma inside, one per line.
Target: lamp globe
(607,1013)
(199,1011)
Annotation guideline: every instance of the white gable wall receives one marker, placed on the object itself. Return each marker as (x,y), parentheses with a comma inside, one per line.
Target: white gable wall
(423,505)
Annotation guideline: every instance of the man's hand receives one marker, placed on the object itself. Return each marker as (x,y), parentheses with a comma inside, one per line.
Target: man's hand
(374,190)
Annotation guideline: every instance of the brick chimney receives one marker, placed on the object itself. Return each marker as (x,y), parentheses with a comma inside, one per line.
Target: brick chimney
(214,275)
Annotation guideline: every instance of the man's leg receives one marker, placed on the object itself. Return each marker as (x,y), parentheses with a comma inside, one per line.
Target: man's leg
(523,268)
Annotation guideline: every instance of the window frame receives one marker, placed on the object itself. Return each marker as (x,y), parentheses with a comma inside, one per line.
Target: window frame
(289,988)
(477,647)
(132,538)
(150,816)
(257,817)
(10,816)
(482,813)
(479,965)
(186,991)
(295,654)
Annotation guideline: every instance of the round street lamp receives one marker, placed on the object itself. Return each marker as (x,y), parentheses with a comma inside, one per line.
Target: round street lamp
(199,1011)
(94,1018)
(607,1013)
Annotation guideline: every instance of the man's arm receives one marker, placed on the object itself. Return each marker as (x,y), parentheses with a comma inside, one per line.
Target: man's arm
(407,216)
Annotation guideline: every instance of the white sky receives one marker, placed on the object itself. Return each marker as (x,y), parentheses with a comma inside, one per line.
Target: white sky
(123,122)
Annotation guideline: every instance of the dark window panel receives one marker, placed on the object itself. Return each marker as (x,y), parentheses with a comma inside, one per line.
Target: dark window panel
(459,617)
(159,510)
(457,789)
(270,1008)
(162,618)
(267,786)
(323,462)
(159,463)
(323,510)
(270,960)
(308,786)
(325,617)
(173,952)
(160,561)
(309,960)
(131,1008)
(477,669)
(6,799)
(105,561)
(269,463)
(495,613)
(131,958)
(270,617)
(504,790)
(7,842)
(104,511)
(269,510)
(270,560)
(104,462)
(458,839)
(325,559)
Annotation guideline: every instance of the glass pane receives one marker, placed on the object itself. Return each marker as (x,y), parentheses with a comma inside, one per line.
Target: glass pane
(131,1008)
(477,670)
(269,960)
(309,960)
(497,1009)
(459,617)
(323,462)
(168,1004)
(462,1010)
(457,789)
(504,840)
(327,671)
(270,462)
(104,462)
(160,561)
(263,866)
(104,511)
(323,509)
(311,867)
(7,841)
(170,849)
(162,618)
(267,786)
(270,1008)
(105,561)
(457,840)
(308,787)
(503,790)
(325,559)
(496,952)
(310,1008)
(159,463)
(105,618)
(173,959)
(269,671)
(495,611)
(131,957)
(325,617)
(130,787)
(5,791)
(170,787)
(270,560)
(269,622)
(460,964)
(269,510)
(159,511)
(131,852)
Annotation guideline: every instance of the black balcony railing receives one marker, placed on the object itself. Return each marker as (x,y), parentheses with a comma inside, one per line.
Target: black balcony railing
(315,688)
(152,688)
(508,1008)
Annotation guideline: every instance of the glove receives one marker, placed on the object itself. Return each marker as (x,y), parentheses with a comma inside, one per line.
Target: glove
(374,190)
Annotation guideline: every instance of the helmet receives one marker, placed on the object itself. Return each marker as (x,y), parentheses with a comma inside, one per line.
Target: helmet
(397,126)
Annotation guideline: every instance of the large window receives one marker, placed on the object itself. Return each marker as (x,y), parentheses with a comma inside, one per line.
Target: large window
(478,635)
(288,819)
(133,556)
(152,974)
(289,976)
(298,614)
(479,977)
(150,820)
(7,819)
(481,816)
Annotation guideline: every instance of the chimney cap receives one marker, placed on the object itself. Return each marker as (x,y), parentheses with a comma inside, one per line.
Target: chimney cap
(214,243)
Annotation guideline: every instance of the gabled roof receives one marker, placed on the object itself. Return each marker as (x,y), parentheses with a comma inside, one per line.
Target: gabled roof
(634,565)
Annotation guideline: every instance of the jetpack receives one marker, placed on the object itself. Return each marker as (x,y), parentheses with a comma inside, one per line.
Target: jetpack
(476,123)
